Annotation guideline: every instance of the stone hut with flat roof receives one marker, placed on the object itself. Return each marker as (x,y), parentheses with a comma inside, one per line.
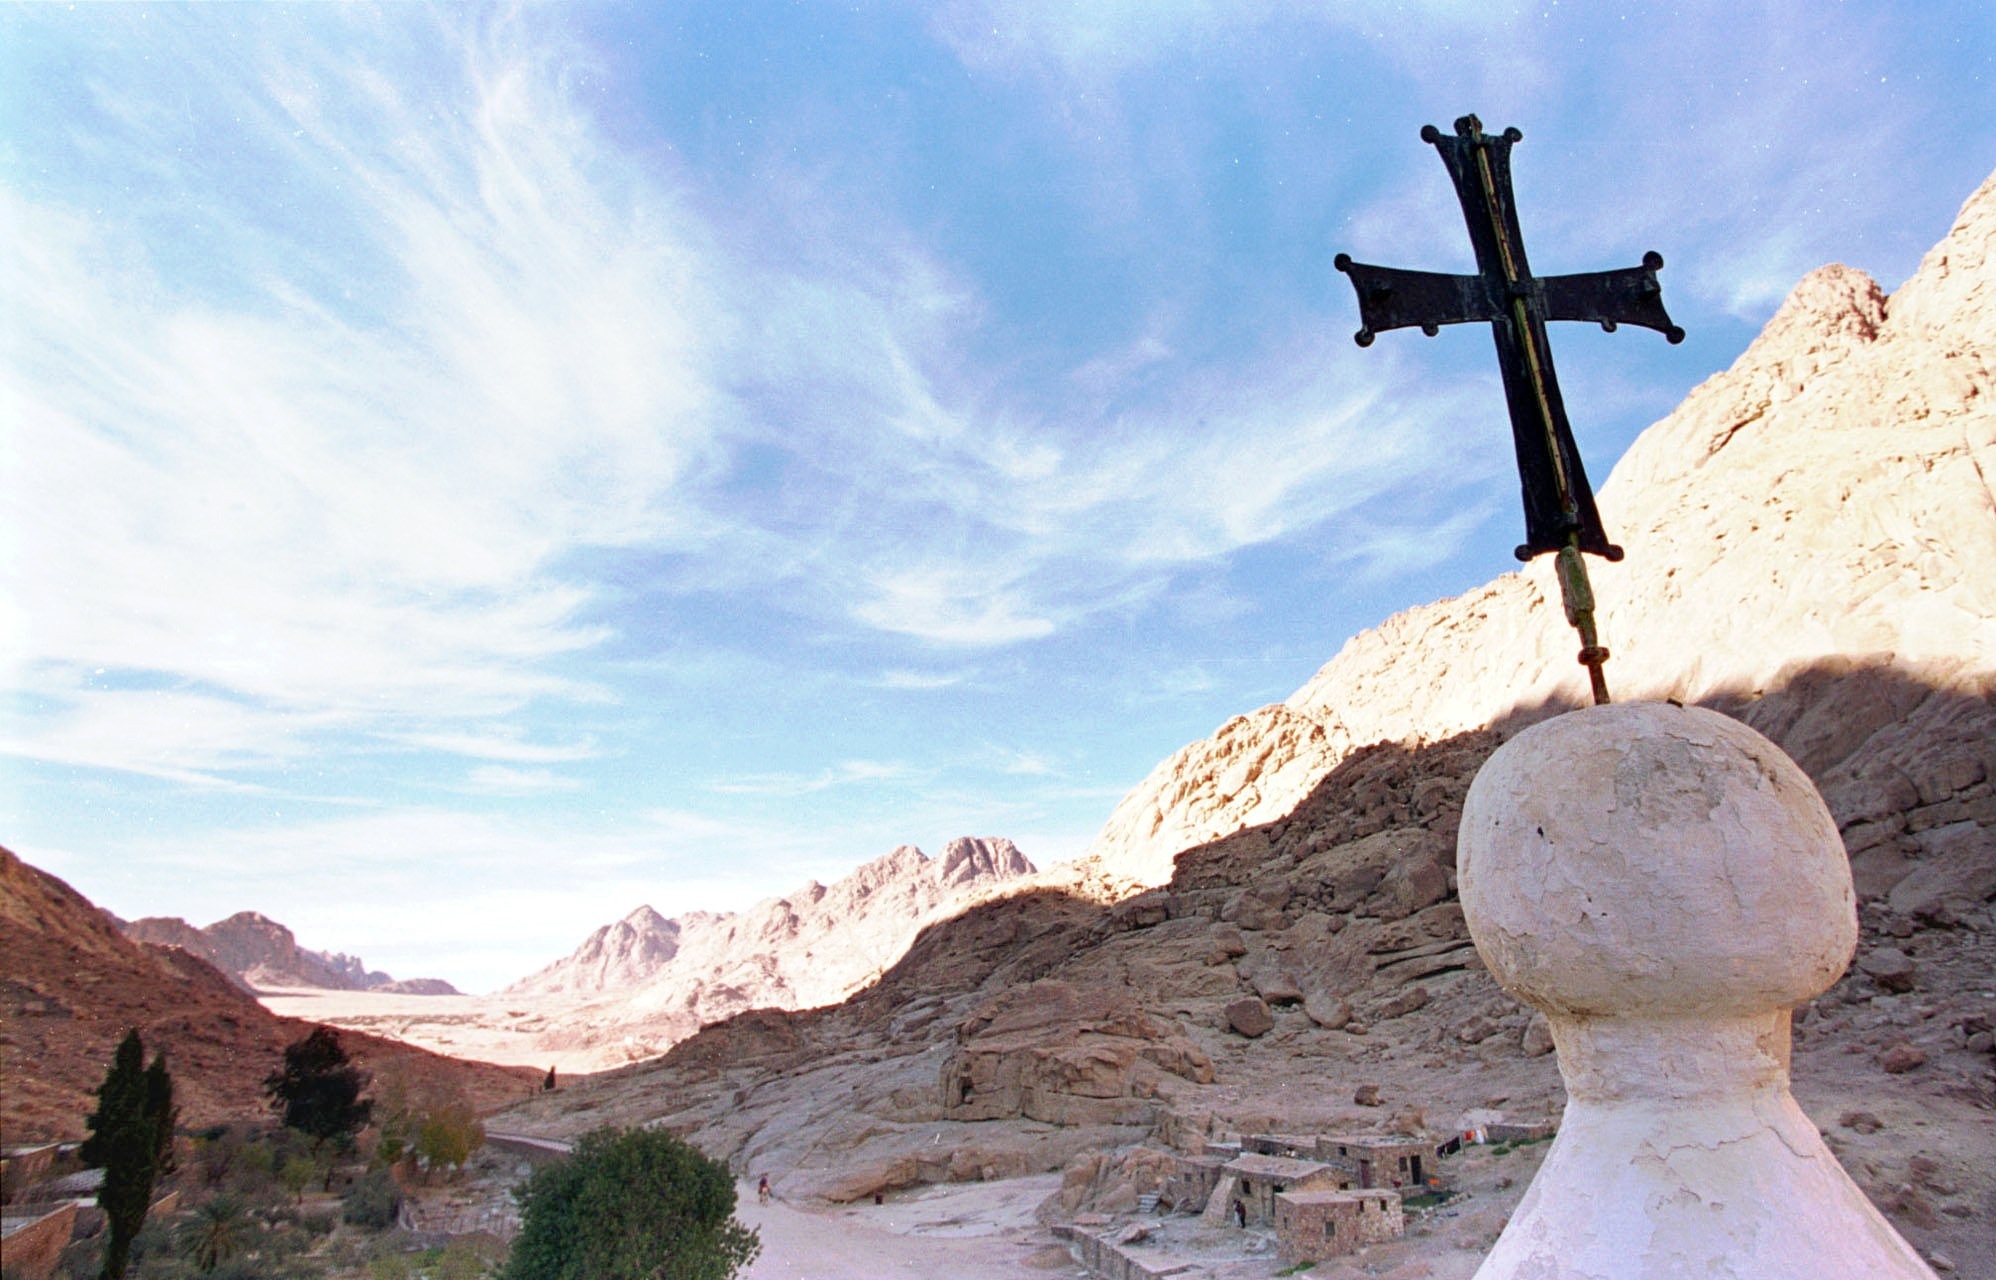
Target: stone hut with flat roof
(1255,1180)
(1295,1146)
(1379,1160)
(1189,1188)
(1311,1226)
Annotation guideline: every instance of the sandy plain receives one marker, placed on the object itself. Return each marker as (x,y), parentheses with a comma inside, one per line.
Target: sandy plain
(967,1231)
(507,1030)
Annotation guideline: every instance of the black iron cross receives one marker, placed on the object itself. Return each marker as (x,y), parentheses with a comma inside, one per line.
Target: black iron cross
(1559,506)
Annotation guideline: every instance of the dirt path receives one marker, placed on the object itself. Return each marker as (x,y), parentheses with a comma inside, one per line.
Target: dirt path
(971,1231)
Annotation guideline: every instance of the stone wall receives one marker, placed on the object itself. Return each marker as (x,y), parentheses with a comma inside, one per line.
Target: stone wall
(1108,1260)
(23,1167)
(33,1248)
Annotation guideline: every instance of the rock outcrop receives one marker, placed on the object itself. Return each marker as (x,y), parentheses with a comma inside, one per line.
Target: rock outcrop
(259,954)
(1057,1054)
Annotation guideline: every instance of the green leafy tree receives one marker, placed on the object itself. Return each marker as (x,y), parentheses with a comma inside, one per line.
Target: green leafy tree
(131,1139)
(448,1136)
(318,1092)
(635,1204)
(296,1173)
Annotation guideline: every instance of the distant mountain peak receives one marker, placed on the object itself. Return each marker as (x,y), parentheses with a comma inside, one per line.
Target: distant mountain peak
(259,954)
(811,946)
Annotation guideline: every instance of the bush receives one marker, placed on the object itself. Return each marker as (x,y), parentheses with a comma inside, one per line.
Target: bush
(639,1204)
(373,1201)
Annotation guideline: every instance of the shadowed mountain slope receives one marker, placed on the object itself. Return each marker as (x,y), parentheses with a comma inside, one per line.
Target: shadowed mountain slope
(73,983)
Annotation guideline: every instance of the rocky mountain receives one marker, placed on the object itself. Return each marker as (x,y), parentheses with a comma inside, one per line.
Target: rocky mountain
(618,955)
(1826,499)
(73,983)
(260,954)
(1266,937)
(646,982)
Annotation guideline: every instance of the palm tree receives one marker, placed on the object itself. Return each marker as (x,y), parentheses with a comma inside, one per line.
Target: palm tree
(216,1232)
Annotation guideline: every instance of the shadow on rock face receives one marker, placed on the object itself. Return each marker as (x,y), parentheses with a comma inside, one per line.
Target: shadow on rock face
(1341,921)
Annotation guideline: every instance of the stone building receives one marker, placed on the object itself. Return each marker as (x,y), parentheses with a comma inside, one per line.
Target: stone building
(1296,1146)
(1190,1185)
(1312,1225)
(1379,1160)
(1254,1181)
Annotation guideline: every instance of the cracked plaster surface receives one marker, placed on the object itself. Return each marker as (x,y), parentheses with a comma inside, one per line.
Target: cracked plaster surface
(1665,885)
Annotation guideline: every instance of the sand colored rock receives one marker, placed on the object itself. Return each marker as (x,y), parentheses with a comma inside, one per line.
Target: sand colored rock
(1052,1053)
(636,987)
(1828,496)
(621,954)
(1664,884)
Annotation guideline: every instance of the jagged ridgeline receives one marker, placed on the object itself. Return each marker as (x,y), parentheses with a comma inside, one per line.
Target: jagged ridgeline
(260,954)
(1265,936)
(637,986)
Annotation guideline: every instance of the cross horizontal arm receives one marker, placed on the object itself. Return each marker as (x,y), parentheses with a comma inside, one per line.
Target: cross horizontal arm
(1390,298)
(1610,298)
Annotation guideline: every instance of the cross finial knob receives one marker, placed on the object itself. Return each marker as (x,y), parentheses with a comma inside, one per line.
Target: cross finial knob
(1665,885)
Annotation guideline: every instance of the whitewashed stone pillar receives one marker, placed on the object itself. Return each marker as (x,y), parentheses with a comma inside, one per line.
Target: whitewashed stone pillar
(1666,885)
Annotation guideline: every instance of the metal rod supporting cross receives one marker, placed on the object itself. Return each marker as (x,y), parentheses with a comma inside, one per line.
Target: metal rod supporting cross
(1559,504)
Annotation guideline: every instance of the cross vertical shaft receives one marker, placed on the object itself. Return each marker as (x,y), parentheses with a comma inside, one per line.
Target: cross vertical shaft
(1560,516)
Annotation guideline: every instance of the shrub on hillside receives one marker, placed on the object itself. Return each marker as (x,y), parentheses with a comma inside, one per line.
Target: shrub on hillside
(373,1201)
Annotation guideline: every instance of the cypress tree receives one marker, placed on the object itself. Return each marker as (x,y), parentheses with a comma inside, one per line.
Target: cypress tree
(131,1139)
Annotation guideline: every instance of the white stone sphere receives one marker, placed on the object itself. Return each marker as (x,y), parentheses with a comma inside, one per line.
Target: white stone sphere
(1648,860)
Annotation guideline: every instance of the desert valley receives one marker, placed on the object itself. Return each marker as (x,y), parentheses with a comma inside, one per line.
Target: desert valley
(960,1063)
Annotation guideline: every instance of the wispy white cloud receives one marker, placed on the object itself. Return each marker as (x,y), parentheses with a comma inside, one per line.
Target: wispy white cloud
(352,510)
(504,780)
(919,681)
(1027,763)
(179,736)
(498,742)
(845,773)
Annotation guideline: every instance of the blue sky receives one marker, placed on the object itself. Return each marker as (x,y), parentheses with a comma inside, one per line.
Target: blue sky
(472,470)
